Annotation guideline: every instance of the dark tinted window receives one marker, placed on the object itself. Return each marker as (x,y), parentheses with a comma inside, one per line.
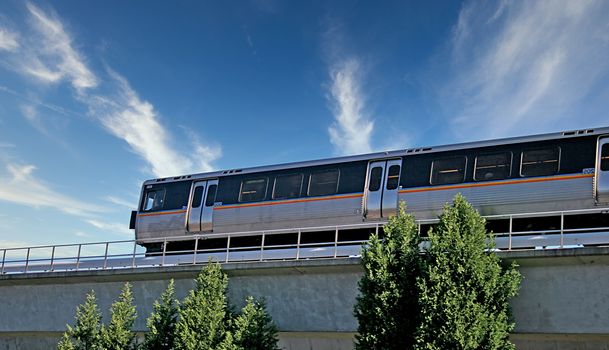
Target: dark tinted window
(287,186)
(493,166)
(448,171)
(323,183)
(197,197)
(211,195)
(539,162)
(253,190)
(605,157)
(393,177)
(376,176)
(168,196)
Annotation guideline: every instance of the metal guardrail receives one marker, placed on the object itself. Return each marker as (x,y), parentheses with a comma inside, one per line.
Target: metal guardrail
(129,253)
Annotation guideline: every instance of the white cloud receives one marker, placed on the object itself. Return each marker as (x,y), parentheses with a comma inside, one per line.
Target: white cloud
(122,202)
(113,227)
(13,244)
(522,66)
(352,129)
(50,56)
(55,49)
(20,186)
(8,40)
(135,121)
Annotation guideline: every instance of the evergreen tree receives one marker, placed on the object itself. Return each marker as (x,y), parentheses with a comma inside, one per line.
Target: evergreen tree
(203,313)
(464,293)
(65,343)
(387,307)
(162,322)
(254,329)
(85,335)
(119,335)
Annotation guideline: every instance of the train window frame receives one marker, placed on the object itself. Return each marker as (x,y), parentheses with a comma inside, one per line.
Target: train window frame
(604,159)
(431,173)
(209,203)
(511,165)
(319,172)
(266,187)
(197,196)
(539,149)
(146,197)
(379,183)
(390,178)
(287,175)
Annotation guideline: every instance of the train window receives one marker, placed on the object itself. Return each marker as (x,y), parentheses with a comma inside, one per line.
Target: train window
(169,196)
(540,162)
(211,195)
(605,157)
(253,190)
(495,166)
(323,183)
(448,171)
(287,186)
(376,176)
(197,197)
(393,177)
(154,200)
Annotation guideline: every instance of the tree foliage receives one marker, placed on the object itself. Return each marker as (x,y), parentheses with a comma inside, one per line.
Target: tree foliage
(387,308)
(254,329)
(464,291)
(203,313)
(162,322)
(85,335)
(118,335)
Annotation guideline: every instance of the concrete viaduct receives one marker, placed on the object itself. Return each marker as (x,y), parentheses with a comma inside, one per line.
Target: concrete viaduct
(563,302)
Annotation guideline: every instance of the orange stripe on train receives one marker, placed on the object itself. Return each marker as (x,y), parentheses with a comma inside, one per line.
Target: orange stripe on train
(163,213)
(497,183)
(288,201)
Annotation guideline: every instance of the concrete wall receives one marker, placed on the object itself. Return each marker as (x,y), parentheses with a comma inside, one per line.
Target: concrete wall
(563,303)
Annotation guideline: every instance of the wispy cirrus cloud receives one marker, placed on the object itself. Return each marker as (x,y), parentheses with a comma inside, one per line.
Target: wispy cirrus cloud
(521,66)
(118,228)
(122,202)
(352,129)
(8,40)
(128,117)
(19,185)
(51,57)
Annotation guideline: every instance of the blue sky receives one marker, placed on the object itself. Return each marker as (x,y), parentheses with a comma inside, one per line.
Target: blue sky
(97,96)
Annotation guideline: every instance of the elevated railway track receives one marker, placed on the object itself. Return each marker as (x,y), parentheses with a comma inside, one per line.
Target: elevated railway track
(539,230)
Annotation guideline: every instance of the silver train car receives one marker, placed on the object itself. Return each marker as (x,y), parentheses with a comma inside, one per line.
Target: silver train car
(550,172)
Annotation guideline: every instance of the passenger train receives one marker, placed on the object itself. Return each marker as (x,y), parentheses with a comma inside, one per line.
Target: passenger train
(550,172)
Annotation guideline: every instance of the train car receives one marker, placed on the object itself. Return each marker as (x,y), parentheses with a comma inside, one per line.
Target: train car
(550,172)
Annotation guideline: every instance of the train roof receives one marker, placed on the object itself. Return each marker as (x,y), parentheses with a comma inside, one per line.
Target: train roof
(387,154)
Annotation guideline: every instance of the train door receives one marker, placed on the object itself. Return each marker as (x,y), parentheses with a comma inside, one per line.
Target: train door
(381,198)
(602,171)
(200,215)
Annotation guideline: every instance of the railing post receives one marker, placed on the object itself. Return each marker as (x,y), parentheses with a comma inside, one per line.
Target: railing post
(562,229)
(27,259)
(376,229)
(106,256)
(510,234)
(194,255)
(133,256)
(78,257)
(335,242)
(262,247)
(3,260)
(227,249)
(298,245)
(52,257)
(164,252)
